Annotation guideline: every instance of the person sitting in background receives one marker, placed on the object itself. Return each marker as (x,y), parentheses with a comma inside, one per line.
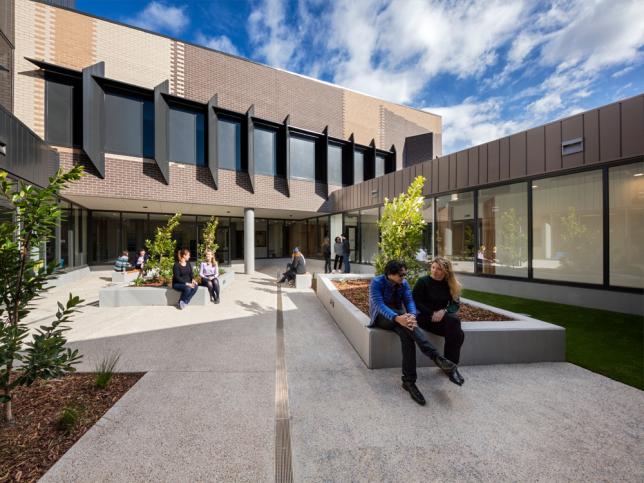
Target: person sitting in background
(141,259)
(436,298)
(122,263)
(209,273)
(182,279)
(296,266)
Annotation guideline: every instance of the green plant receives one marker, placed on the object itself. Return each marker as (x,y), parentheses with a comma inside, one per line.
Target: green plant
(68,419)
(139,281)
(22,279)
(209,237)
(105,369)
(162,251)
(401,230)
(512,239)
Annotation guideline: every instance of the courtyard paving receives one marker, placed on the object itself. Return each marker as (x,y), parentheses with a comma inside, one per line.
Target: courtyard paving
(206,408)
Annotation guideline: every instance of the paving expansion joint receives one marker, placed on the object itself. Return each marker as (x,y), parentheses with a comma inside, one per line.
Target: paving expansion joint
(283,460)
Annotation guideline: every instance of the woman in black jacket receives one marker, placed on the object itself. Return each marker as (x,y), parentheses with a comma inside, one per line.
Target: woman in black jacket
(436,297)
(182,279)
(326,252)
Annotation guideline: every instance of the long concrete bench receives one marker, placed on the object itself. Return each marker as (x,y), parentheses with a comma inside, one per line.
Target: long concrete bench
(120,296)
(124,277)
(517,341)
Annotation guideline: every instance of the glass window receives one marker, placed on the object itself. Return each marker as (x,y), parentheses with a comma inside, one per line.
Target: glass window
(237,238)
(455,230)
(276,239)
(358,166)
(296,236)
(265,151)
(134,232)
(314,247)
(626,222)
(129,125)
(351,231)
(380,165)
(63,111)
(323,232)
(222,253)
(105,236)
(229,144)
(334,171)
(302,157)
(567,228)
(186,136)
(261,241)
(186,235)
(369,235)
(428,234)
(503,231)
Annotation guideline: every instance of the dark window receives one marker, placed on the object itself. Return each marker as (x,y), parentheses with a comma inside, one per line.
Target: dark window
(63,112)
(265,151)
(335,165)
(129,124)
(302,158)
(380,165)
(186,136)
(358,166)
(229,144)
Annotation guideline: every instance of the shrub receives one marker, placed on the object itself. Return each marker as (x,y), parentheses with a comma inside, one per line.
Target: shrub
(68,419)
(105,370)
(401,230)
(209,237)
(162,251)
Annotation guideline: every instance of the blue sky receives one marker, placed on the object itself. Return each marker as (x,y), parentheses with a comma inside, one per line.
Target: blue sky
(490,68)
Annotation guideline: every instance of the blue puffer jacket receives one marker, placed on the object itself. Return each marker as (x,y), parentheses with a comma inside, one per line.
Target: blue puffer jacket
(381,292)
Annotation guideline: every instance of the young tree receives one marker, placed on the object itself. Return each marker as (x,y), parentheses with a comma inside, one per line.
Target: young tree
(209,236)
(401,230)
(22,279)
(162,250)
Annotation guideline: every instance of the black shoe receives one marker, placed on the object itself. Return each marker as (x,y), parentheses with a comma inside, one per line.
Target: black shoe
(456,377)
(217,300)
(413,391)
(445,364)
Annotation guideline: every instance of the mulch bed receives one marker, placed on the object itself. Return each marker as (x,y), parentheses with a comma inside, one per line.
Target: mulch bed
(357,292)
(31,446)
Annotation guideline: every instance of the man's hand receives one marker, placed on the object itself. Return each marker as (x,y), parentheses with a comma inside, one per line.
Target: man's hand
(408,321)
(438,315)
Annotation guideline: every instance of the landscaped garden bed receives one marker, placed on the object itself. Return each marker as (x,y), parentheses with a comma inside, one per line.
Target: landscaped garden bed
(356,291)
(41,435)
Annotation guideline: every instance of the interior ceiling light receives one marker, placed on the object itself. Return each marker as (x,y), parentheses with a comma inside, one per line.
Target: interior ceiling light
(638,174)
(534,186)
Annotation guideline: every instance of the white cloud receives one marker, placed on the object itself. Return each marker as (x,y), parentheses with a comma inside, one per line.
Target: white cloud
(545,105)
(161,17)
(275,40)
(221,43)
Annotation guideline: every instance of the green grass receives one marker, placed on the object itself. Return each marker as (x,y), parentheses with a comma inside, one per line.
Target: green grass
(609,343)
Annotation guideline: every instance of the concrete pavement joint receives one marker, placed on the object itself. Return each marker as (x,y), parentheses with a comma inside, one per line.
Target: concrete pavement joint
(283,455)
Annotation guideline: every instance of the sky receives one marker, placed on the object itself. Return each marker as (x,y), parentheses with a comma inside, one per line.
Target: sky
(489,68)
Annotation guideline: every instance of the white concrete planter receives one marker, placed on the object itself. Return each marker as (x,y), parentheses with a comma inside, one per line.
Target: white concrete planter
(130,296)
(124,277)
(520,340)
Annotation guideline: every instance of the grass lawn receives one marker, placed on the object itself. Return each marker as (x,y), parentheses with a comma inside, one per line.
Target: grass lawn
(609,343)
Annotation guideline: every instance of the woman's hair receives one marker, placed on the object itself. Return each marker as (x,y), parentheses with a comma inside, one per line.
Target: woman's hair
(182,253)
(450,278)
(338,239)
(205,256)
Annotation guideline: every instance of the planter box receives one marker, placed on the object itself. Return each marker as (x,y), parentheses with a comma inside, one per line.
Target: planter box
(518,341)
(124,277)
(120,296)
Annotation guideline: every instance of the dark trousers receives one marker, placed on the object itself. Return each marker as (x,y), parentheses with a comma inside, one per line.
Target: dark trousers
(347,264)
(186,292)
(450,328)
(408,340)
(213,287)
(337,263)
(327,264)
(288,275)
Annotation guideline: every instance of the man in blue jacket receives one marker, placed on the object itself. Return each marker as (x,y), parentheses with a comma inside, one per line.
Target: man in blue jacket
(392,307)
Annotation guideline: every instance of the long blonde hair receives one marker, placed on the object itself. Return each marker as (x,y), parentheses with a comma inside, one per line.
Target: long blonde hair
(454,285)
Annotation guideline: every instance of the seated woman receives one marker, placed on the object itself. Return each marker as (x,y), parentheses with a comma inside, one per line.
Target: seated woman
(436,298)
(182,278)
(297,266)
(209,273)
(141,259)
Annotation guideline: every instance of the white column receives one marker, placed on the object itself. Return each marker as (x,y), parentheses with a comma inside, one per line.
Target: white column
(249,240)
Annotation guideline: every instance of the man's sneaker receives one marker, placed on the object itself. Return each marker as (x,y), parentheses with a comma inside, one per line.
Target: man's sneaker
(182,305)
(413,391)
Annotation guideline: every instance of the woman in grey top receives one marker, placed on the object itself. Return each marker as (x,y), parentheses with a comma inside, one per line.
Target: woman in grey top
(337,249)
(297,266)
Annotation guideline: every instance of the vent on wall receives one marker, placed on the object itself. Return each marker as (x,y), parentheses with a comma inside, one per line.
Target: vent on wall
(572,146)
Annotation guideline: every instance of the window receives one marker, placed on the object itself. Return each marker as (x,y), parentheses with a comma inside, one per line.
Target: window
(503,231)
(455,230)
(428,233)
(229,144)
(369,235)
(567,228)
(302,157)
(626,222)
(358,166)
(63,111)
(129,124)
(351,231)
(275,238)
(380,165)
(265,151)
(335,165)
(186,136)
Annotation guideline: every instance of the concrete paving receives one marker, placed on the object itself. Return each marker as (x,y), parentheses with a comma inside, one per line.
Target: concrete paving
(205,410)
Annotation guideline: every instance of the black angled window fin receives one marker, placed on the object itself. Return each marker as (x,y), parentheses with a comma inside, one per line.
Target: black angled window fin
(347,161)
(322,160)
(213,152)
(287,153)
(390,160)
(161,114)
(94,117)
(250,146)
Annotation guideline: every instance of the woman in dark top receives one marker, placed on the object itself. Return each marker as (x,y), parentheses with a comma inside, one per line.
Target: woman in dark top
(432,295)
(182,279)
(326,252)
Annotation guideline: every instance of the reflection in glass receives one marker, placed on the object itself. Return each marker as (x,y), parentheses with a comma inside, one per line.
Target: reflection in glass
(276,239)
(135,231)
(503,231)
(237,238)
(105,236)
(314,248)
(351,232)
(296,234)
(335,165)
(265,151)
(358,166)
(261,232)
(369,235)
(380,165)
(567,228)
(455,229)
(186,235)
(302,157)
(626,222)
(222,254)
(229,144)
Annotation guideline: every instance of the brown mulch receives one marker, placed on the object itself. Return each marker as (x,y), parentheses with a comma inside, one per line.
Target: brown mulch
(357,292)
(31,446)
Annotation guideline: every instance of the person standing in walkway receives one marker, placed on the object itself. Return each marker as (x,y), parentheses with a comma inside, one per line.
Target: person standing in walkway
(392,307)
(436,297)
(209,273)
(337,249)
(182,279)
(346,253)
(326,252)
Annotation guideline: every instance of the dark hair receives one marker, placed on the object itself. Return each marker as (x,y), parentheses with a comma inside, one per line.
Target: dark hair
(182,253)
(394,267)
(338,239)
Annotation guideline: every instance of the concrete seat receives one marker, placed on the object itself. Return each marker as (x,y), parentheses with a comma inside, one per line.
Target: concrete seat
(124,277)
(303,280)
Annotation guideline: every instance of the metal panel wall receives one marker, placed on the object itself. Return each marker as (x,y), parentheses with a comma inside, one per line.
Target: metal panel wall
(94,117)
(462,169)
(632,127)
(493,152)
(504,158)
(553,146)
(452,171)
(443,173)
(572,128)
(518,155)
(536,150)
(473,166)
(591,136)
(609,138)
(483,164)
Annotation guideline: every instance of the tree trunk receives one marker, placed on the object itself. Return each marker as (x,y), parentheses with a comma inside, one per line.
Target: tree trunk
(8,414)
